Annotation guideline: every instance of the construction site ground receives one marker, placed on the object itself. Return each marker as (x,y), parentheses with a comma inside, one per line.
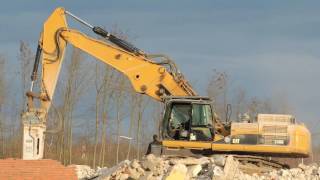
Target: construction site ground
(216,167)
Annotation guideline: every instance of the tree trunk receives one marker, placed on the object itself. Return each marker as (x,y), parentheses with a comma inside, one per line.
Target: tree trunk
(96,131)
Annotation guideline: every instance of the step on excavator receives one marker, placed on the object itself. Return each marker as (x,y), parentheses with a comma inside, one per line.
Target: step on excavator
(189,121)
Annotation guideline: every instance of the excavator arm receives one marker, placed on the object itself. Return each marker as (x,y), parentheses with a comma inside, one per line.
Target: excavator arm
(147,76)
(154,75)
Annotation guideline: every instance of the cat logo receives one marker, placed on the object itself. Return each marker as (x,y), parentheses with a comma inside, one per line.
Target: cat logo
(235,141)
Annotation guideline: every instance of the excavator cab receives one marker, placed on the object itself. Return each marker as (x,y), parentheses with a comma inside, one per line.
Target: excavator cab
(188,119)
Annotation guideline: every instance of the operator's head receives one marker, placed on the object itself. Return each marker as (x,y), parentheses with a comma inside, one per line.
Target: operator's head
(155,137)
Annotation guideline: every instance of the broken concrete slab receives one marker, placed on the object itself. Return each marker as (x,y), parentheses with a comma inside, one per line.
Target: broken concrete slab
(178,172)
(219,160)
(194,170)
(105,173)
(84,172)
(189,161)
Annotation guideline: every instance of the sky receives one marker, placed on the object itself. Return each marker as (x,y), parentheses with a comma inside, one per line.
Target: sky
(270,48)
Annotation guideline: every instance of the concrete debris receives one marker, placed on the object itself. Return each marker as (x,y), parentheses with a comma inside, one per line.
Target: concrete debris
(115,171)
(217,172)
(178,171)
(194,170)
(218,167)
(84,172)
(158,166)
(189,161)
(219,160)
(231,168)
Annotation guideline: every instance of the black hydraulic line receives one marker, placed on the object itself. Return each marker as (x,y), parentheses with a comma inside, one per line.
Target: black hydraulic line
(36,64)
(112,38)
(119,42)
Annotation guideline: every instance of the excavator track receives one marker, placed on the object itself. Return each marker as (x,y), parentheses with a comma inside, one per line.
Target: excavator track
(247,163)
(258,164)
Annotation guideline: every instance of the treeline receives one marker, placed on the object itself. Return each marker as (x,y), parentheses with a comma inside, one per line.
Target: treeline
(94,105)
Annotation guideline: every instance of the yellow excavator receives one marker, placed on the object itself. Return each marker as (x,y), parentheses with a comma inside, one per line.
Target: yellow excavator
(189,121)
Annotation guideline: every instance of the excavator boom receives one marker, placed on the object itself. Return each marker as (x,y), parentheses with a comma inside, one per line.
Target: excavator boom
(148,75)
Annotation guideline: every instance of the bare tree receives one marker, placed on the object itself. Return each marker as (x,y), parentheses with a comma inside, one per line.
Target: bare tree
(106,96)
(240,101)
(281,103)
(217,89)
(103,94)
(133,107)
(75,86)
(26,58)
(99,88)
(26,61)
(119,111)
(141,107)
(3,94)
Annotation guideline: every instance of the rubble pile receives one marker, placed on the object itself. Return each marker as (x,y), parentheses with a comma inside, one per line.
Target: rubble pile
(84,171)
(174,168)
